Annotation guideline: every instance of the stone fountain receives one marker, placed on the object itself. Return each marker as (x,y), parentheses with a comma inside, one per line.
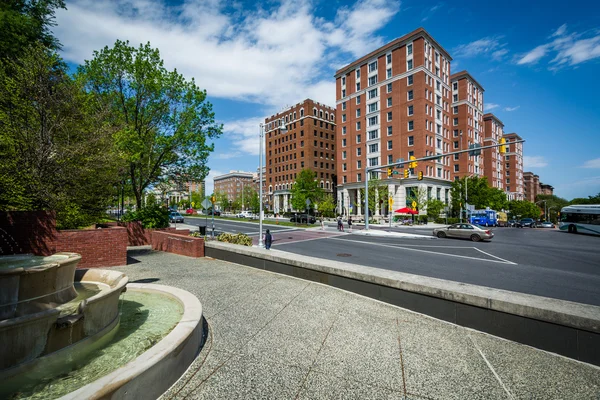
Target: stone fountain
(53,315)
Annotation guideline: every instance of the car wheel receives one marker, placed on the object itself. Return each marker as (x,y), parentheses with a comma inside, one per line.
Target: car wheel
(441,235)
(572,229)
(475,238)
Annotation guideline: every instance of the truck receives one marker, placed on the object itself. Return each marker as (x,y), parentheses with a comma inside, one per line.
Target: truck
(485,217)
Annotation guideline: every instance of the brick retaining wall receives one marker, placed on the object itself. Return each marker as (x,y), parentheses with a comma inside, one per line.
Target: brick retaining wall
(179,243)
(98,247)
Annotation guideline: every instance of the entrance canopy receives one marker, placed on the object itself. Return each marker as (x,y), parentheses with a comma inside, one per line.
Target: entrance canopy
(406,210)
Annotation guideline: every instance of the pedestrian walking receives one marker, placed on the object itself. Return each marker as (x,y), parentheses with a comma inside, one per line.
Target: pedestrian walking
(322,223)
(349,223)
(340,224)
(268,240)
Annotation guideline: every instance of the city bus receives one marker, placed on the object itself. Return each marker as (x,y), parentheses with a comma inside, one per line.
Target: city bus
(580,218)
(483,217)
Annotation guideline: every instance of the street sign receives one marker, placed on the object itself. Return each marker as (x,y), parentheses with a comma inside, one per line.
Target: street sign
(205,203)
(307,202)
(391,201)
(414,204)
(213,199)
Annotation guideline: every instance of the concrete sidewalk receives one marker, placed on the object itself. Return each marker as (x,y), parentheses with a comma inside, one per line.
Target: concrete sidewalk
(271,336)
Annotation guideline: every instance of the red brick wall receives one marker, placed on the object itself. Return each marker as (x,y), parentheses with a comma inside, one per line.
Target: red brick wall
(98,247)
(178,244)
(24,232)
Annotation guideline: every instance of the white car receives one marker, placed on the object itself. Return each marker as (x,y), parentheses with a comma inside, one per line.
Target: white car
(246,214)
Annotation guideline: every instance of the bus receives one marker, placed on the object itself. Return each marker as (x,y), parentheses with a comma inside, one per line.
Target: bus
(580,218)
(485,217)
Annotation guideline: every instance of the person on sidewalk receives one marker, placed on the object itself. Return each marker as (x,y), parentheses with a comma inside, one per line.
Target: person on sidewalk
(349,223)
(268,240)
(322,223)
(340,223)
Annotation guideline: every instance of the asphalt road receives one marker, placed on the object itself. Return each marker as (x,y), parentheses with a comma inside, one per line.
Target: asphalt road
(542,262)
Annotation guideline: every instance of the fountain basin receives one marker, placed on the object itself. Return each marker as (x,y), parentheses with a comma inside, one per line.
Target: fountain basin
(30,338)
(30,284)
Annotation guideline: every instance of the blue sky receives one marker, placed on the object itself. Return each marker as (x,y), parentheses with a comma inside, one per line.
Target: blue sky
(539,64)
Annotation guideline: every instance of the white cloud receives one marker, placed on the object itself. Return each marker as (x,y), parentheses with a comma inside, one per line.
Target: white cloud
(490,106)
(268,56)
(570,49)
(595,163)
(509,109)
(534,162)
(430,11)
(491,45)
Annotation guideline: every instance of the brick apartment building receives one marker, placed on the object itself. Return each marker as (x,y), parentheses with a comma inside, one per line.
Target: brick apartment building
(233,184)
(532,186)
(309,142)
(467,124)
(393,103)
(493,162)
(513,168)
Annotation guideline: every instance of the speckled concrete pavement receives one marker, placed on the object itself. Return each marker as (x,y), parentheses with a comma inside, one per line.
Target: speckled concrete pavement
(271,336)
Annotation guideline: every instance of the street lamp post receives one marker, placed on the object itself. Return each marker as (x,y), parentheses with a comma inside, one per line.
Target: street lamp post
(261,135)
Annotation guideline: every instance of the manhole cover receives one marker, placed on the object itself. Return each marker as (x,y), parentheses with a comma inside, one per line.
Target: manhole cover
(344,255)
(290,237)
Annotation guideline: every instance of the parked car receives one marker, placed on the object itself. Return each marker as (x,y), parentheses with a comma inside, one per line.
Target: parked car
(464,231)
(528,222)
(514,223)
(246,214)
(213,212)
(190,211)
(175,217)
(545,224)
(303,219)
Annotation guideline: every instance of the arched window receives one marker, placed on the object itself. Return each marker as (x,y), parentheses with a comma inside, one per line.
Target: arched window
(315,112)
(327,185)
(301,112)
(320,113)
(270,188)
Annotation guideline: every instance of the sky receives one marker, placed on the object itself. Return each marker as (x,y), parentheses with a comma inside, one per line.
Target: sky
(538,64)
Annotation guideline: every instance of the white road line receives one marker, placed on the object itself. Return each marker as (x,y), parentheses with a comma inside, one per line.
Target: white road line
(508,392)
(491,255)
(433,252)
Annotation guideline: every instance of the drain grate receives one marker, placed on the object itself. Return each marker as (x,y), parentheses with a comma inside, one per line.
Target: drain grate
(344,255)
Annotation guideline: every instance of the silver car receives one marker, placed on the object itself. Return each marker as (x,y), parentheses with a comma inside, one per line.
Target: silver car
(464,231)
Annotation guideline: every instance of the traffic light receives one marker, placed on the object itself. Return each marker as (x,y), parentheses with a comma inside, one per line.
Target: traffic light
(406,172)
(412,164)
(503,146)
(390,172)
(420,176)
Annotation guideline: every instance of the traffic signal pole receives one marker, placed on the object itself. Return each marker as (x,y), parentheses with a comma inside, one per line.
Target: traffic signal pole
(414,161)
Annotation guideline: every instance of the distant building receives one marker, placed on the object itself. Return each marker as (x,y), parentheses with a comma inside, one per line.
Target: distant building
(513,168)
(307,143)
(533,187)
(232,184)
(492,159)
(467,124)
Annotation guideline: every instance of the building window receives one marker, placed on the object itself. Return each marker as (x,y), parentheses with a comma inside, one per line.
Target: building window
(388,58)
(411,140)
(358,86)
(456,156)
(409,64)
(455,86)
(389,88)
(410,110)
(373,66)
(343,92)
(344,167)
(343,80)
(409,49)
(456,168)
(455,121)
(389,101)
(374,148)
(390,159)
(343,107)
(358,126)
(389,145)
(343,130)
(358,164)
(373,162)
(343,117)
(358,139)
(456,144)
(389,116)
(372,80)
(373,120)
(389,131)
(455,98)
(359,151)
(344,155)
(372,107)
(357,74)
(409,80)
(374,134)
(411,125)
(410,95)
(344,142)
(372,93)
(455,110)
(357,99)
(358,178)
(389,73)
(357,113)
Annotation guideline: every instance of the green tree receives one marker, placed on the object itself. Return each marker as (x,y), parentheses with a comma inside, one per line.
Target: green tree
(417,194)
(306,187)
(163,121)
(326,206)
(55,150)
(222,200)
(378,195)
(582,200)
(27,22)
(434,208)
(476,192)
(523,209)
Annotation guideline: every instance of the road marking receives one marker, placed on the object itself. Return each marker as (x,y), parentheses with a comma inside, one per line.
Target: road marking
(433,252)
(491,255)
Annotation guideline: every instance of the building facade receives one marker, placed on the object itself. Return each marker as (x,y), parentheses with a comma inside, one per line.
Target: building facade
(394,103)
(533,187)
(300,137)
(493,162)
(513,168)
(467,124)
(233,184)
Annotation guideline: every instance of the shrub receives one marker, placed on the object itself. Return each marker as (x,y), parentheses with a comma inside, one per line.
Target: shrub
(449,221)
(238,238)
(72,217)
(423,218)
(151,216)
